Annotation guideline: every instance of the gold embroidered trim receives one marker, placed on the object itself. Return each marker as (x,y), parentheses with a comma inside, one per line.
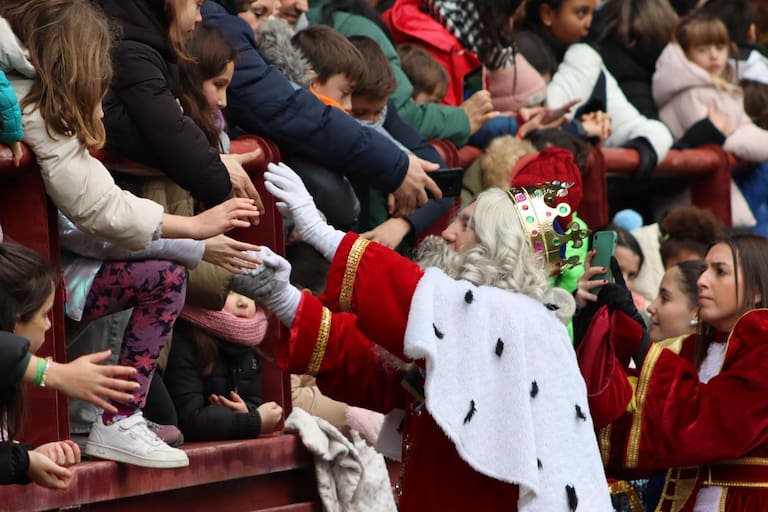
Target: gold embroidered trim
(604,440)
(745,461)
(626,488)
(683,490)
(723,497)
(726,483)
(348,283)
(642,388)
(322,341)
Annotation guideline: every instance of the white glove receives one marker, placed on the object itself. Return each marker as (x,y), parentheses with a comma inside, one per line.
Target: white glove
(283,298)
(294,202)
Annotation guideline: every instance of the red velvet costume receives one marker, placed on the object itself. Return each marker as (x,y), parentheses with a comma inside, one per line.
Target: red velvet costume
(348,367)
(713,434)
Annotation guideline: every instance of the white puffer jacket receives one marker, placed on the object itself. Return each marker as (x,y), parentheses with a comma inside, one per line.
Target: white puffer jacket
(576,78)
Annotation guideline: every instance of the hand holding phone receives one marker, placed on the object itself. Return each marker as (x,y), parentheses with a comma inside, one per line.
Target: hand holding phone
(448,180)
(604,244)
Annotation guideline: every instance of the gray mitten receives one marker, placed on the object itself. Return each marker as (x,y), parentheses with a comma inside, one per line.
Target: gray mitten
(255,286)
(273,289)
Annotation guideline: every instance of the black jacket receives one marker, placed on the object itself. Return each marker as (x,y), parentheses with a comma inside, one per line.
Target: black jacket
(240,371)
(14,358)
(143,119)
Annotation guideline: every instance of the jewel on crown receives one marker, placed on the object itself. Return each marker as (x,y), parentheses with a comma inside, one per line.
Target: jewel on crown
(537,211)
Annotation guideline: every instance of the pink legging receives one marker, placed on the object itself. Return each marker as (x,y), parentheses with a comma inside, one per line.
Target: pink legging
(155,289)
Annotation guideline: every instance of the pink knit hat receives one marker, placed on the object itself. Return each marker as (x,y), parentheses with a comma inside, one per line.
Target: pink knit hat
(510,93)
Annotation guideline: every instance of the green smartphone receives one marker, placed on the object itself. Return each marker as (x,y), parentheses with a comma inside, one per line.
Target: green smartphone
(604,243)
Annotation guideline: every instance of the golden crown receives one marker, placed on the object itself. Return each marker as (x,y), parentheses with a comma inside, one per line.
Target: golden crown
(537,211)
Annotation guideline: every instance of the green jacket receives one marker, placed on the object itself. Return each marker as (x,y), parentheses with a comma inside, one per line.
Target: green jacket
(431,120)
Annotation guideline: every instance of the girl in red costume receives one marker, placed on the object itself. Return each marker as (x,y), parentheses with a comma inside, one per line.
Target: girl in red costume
(702,412)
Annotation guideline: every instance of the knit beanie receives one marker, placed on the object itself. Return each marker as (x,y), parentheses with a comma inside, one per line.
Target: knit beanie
(516,86)
(228,327)
(552,164)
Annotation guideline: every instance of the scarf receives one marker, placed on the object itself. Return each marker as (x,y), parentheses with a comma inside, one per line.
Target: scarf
(462,20)
(228,327)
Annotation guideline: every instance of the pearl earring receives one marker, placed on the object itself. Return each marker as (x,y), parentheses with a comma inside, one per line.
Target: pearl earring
(694,322)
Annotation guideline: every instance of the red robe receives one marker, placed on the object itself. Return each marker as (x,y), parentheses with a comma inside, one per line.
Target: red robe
(348,368)
(717,430)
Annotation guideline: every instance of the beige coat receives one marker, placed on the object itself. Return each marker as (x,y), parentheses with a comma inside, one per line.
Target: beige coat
(78,184)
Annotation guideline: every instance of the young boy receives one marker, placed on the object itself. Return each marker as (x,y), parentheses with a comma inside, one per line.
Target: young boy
(371,106)
(336,63)
(428,77)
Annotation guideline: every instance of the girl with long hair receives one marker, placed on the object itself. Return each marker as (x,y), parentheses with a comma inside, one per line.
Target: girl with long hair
(68,71)
(27,284)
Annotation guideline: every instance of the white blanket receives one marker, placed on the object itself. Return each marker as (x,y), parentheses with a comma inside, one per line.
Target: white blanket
(351,475)
(503,383)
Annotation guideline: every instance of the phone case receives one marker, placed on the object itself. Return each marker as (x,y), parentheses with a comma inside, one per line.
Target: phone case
(448,180)
(604,242)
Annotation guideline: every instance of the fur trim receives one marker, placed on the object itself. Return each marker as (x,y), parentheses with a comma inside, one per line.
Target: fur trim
(274,40)
(500,159)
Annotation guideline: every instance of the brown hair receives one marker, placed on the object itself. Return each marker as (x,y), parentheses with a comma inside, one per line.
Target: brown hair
(425,73)
(209,53)
(329,53)
(689,229)
(68,43)
(631,21)
(703,29)
(756,102)
(26,282)
(378,80)
(177,37)
(748,252)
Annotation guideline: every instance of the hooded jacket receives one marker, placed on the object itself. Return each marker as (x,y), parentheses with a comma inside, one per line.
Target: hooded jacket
(684,92)
(141,114)
(263,102)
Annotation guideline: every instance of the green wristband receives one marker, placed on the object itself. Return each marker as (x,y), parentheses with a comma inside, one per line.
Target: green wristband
(40,371)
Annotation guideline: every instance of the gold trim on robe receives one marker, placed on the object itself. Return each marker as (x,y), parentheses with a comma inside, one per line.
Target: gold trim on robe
(633,447)
(322,341)
(348,282)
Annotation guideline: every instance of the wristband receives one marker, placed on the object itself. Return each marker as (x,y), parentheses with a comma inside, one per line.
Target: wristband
(45,371)
(42,366)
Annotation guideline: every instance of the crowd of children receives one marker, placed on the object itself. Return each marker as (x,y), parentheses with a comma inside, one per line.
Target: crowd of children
(352,92)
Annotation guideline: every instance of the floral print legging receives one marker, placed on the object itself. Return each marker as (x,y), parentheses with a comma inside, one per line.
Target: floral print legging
(156,290)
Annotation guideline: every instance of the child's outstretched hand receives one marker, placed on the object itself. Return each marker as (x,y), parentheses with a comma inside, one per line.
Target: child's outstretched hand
(236,403)
(270,414)
(86,379)
(236,212)
(16,151)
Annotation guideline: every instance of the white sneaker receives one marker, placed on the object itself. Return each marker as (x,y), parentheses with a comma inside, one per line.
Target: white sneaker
(130,441)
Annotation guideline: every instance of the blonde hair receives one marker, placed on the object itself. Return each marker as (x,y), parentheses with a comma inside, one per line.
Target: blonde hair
(177,37)
(500,159)
(68,43)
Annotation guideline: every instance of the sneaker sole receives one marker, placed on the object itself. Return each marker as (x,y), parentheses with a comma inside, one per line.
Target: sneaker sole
(109,453)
